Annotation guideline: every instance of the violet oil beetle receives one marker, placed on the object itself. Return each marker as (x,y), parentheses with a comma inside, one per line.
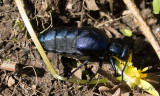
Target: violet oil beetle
(80,42)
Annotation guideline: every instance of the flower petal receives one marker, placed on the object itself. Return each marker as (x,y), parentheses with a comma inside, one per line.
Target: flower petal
(148,87)
(133,76)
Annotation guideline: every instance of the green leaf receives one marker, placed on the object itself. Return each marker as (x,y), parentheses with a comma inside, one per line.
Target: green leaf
(78,87)
(156,6)
(24,75)
(126,32)
(7,59)
(19,24)
(50,11)
(14,39)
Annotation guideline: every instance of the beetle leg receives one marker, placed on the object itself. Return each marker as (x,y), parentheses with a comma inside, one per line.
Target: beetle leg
(124,56)
(100,66)
(125,53)
(123,70)
(113,66)
(85,62)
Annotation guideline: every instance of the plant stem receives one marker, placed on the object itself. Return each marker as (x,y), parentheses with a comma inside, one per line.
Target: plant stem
(34,38)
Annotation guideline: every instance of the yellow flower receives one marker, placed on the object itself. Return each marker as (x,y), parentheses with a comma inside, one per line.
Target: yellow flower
(134,77)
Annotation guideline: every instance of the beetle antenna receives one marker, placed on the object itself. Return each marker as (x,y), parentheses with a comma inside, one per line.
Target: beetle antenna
(124,69)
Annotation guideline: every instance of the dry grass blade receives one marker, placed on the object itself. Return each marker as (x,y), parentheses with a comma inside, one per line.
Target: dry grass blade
(34,37)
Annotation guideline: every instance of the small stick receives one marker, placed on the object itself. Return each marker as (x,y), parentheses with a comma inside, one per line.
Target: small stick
(114,31)
(82,14)
(10,66)
(143,26)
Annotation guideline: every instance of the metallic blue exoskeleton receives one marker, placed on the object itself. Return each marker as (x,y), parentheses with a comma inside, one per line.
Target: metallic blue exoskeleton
(85,41)
(77,41)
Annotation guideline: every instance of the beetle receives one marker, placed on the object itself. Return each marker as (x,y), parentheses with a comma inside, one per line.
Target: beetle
(81,42)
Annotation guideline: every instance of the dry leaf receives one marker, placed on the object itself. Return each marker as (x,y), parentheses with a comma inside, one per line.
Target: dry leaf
(126,12)
(33,87)
(103,88)
(95,67)
(77,74)
(44,6)
(125,94)
(11,81)
(91,5)
(69,5)
(117,93)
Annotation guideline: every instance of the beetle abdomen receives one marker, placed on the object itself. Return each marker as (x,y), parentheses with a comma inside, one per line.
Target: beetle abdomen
(59,40)
(74,40)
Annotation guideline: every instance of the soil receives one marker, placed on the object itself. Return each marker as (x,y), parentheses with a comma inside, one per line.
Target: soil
(32,76)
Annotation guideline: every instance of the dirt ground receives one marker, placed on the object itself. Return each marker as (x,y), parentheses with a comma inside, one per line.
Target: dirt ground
(32,76)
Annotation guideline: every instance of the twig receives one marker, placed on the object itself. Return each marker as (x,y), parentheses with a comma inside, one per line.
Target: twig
(49,25)
(111,5)
(91,17)
(16,87)
(110,21)
(108,33)
(143,26)
(34,72)
(82,13)
(114,31)
(10,66)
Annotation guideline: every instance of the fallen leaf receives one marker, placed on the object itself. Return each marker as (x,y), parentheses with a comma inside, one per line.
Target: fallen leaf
(69,5)
(103,88)
(117,93)
(11,81)
(91,5)
(77,74)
